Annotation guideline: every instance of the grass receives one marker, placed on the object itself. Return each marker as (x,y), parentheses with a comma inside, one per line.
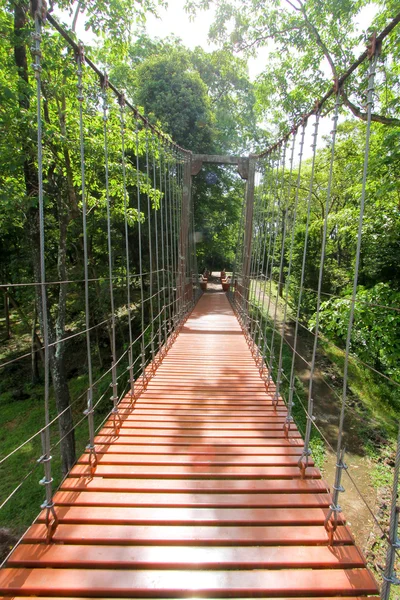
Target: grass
(21,421)
(22,416)
(371,389)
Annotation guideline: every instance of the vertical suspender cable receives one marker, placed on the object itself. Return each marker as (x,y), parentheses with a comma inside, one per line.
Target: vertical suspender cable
(139,216)
(271,241)
(292,240)
(278,204)
(285,218)
(337,488)
(157,210)
(114,384)
(263,245)
(303,464)
(150,248)
(268,206)
(164,264)
(289,418)
(48,505)
(168,261)
(121,100)
(89,408)
(171,231)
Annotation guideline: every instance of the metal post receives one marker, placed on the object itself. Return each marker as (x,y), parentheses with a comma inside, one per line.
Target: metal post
(184,233)
(248,230)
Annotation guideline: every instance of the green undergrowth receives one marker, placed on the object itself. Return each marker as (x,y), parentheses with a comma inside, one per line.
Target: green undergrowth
(24,419)
(300,399)
(300,396)
(370,389)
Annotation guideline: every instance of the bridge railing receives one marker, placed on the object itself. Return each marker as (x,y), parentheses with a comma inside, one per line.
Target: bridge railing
(299,231)
(112,274)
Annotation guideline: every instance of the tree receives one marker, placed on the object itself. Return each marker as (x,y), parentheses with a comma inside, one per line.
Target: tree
(310,44)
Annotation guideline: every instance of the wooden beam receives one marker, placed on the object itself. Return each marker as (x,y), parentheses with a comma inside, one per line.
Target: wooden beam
(216,159)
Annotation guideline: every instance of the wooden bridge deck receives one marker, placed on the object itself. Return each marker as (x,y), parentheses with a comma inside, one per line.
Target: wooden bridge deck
(198,496)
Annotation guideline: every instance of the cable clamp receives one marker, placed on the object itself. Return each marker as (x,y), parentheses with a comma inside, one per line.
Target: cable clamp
(338,488)
(37,37)
(44,459)
(88,411)
(45,481)
(114,398)
(80,53)
(335,508)
(342,465)
(115,411)
(37,68)
(49,505)
(393,579)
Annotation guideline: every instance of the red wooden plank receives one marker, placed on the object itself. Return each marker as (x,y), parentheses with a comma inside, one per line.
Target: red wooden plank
(167,583)
(194,472)
(194,460)
(210,434)
(276,535)
(194,516)
(198,495)
(231,486)
(114,498)
(198,441)
(186,557)
(196,450)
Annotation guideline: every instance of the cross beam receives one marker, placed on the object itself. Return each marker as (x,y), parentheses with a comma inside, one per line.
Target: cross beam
(242,163)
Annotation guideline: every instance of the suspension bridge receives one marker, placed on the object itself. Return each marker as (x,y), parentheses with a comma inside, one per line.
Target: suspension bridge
(198,482)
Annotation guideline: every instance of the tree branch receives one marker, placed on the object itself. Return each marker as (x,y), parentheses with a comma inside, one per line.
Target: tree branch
(357,112)
(319,42)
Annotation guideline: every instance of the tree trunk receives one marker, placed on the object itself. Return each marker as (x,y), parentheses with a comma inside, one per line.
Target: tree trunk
(31,178)
(65,421)
(35,351)
(7,314)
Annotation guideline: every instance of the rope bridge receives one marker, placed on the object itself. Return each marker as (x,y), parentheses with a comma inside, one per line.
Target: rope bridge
(197,482)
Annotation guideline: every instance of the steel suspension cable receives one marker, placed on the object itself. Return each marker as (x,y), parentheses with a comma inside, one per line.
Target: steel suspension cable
(127,259)
(167,247)
(156,212)
(289,418)
(268,170)
(139,217)
(114,385)
(45,459)
(271,242)
(162,203)
(89,408)
(337,488)
(281,265)
(303,464)
(289,272)
(264,235)
(279,198)
(150,244)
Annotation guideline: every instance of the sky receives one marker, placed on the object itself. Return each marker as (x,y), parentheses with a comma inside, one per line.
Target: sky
(174,20)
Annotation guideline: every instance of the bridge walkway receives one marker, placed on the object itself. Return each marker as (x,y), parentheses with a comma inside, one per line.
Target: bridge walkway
(199,495)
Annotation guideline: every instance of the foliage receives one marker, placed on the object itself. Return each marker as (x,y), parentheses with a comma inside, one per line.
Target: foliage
(308,44)
(375,335)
